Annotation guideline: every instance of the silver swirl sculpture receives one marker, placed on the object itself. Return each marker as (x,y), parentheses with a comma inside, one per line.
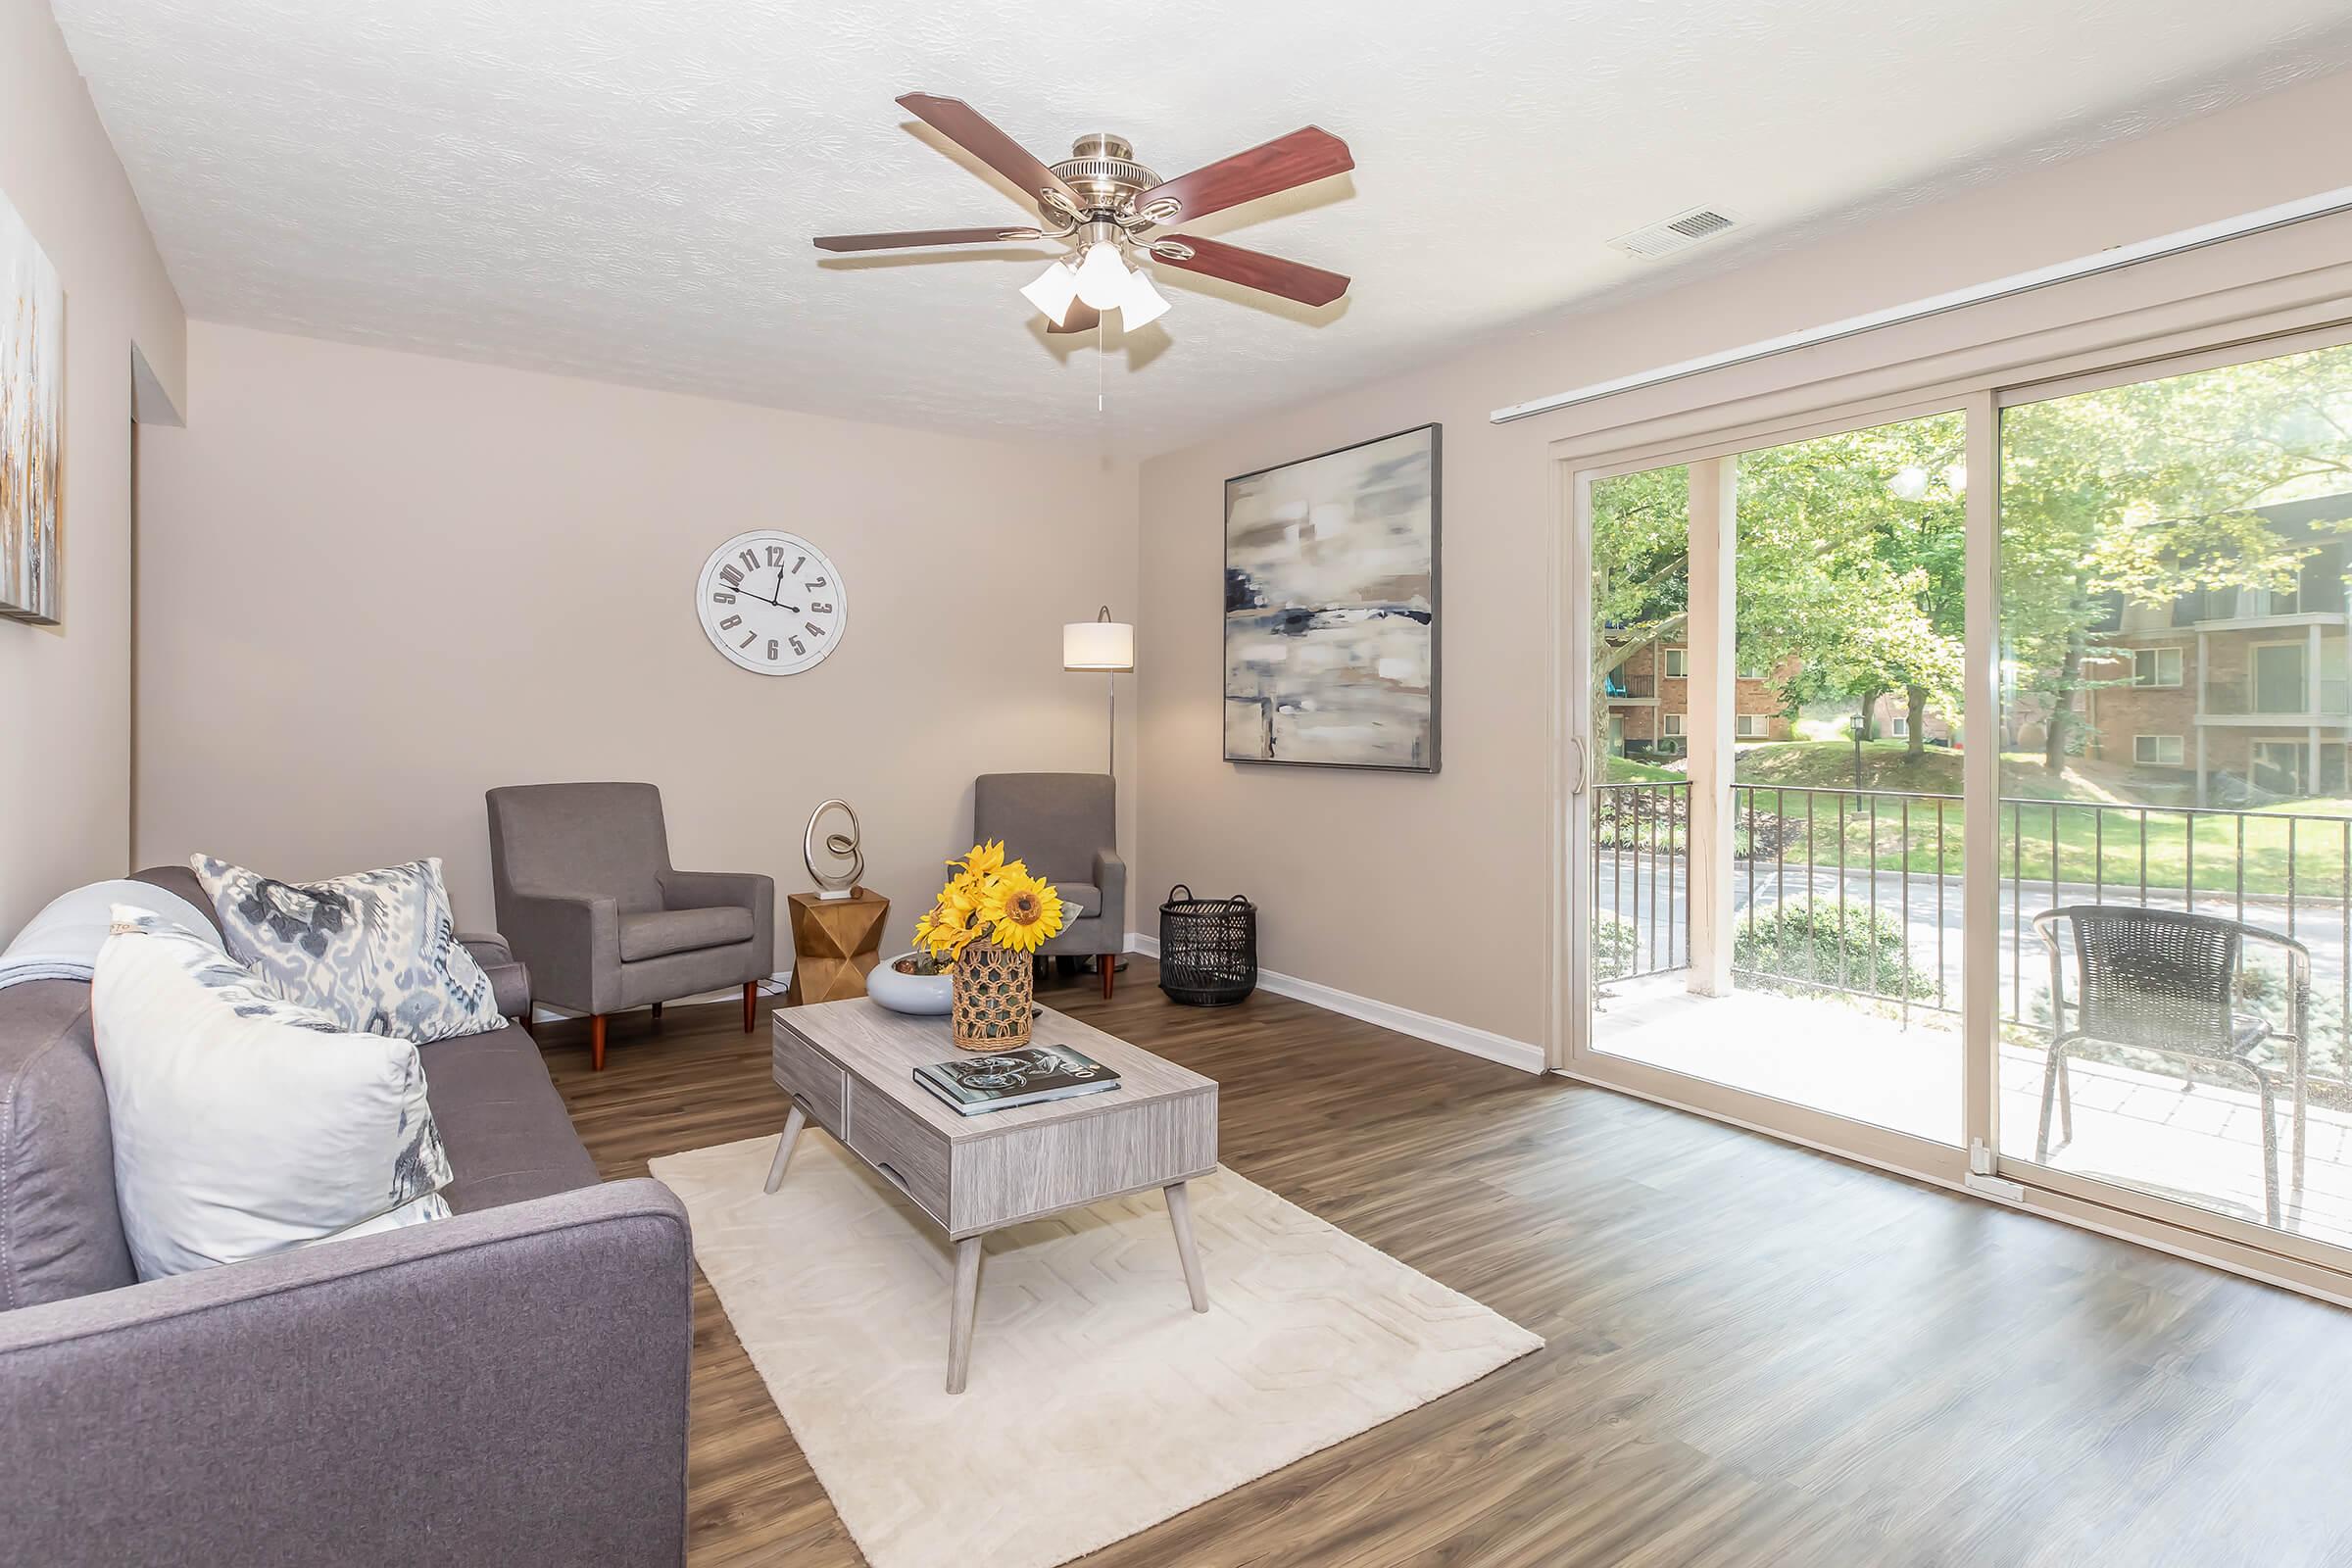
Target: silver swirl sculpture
(840,845)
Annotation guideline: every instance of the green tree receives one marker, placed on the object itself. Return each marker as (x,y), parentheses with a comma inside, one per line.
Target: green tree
(2147,491)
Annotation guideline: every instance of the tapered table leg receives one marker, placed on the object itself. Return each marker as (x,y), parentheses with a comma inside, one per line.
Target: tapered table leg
(961,1313)
(791,1134)
(1180,1215)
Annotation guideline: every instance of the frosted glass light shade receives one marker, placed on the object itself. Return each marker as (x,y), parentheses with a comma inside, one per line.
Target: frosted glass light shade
(1141,302)
(1098,645)
(1052,291)
(1102,276)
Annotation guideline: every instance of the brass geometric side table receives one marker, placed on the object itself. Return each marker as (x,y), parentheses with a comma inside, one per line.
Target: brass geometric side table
(835,943)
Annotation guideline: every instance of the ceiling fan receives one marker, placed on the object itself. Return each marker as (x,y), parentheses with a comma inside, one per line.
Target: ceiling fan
(1104,202)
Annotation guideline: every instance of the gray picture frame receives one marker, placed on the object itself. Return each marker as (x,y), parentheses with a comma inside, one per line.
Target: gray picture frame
(1432,754)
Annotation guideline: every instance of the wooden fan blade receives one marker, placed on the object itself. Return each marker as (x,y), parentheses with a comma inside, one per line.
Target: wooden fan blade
(964,125)
(923,236)
(1285,162)
(1271,275)
(1083,317)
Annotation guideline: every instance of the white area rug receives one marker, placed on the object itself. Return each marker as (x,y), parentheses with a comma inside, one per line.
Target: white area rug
(1099,1402)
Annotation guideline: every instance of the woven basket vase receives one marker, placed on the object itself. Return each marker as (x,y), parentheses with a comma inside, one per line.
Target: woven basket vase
(991,1009)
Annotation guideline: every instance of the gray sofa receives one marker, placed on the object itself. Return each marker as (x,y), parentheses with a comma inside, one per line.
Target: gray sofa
(506,1385)
(1064,825)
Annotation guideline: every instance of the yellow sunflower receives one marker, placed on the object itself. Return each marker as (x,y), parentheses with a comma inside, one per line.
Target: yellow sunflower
(1021,910)
(985,860)
(948,929)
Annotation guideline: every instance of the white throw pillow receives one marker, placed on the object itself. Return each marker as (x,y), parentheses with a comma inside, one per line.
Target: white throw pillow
(377,950)
(242,1124)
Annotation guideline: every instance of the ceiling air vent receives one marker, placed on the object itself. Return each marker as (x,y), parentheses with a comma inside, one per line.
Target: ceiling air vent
(1679,232)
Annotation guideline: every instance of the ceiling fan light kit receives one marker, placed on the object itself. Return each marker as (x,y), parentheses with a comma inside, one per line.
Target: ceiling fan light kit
(1104,202)
(1052,291)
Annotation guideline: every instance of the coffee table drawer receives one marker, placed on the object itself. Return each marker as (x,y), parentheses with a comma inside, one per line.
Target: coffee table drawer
(802,1071)
(889,1138)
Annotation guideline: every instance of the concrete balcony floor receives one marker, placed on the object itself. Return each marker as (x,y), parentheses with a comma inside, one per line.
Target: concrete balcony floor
(2197,1144)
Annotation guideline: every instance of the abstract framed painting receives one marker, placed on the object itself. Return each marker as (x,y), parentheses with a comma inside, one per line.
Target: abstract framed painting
(1331,608)
(32,409)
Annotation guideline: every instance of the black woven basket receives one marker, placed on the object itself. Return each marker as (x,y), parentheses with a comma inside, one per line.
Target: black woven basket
(1208,948)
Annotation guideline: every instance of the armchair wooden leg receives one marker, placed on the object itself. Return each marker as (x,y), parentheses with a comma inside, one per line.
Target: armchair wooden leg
(1110,967)
(656,1012)
(596,1043)
(751,1005)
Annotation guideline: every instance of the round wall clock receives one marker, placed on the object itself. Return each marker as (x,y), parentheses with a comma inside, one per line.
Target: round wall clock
(771,602)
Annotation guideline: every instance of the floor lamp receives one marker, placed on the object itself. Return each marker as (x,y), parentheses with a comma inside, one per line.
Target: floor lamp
(1106,647)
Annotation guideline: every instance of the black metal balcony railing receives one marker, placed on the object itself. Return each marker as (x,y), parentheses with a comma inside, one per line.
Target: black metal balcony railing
(1859,892)
(1641,925)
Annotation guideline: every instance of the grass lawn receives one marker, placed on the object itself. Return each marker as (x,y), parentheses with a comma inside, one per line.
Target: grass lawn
(1625,770)
(2078,827)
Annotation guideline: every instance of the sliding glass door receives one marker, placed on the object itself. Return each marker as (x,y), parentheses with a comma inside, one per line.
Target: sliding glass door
(2179,843)
(2094,942)
(1773,825)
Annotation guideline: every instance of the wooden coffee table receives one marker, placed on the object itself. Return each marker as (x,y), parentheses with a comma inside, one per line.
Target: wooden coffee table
(849,1066)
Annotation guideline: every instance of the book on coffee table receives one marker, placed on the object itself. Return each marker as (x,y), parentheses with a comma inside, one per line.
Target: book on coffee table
(1000,1080)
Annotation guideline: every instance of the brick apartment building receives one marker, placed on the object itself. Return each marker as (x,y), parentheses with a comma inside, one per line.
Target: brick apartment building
(2241,691)
(1649,702)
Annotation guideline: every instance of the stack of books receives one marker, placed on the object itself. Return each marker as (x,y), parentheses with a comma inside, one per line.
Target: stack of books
(1004,1079)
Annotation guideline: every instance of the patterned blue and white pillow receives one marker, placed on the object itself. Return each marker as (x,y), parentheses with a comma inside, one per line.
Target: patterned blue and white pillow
(377,951)
(247,992)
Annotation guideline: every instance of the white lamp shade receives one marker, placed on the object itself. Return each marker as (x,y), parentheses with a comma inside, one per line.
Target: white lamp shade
(1141,302)
(1098,645)
(1102,276)
(1052,291)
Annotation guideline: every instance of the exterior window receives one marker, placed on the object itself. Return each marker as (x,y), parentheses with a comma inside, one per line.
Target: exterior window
(1899,726)
(1674,725)
(1752,727)
(2156,666)
(2157,750)
(1678,663)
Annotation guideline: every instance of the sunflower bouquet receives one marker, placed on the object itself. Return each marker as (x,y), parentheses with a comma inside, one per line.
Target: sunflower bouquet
(986,928)
(991,897)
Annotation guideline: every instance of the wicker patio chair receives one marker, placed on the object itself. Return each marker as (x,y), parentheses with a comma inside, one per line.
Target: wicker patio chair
(2165,981)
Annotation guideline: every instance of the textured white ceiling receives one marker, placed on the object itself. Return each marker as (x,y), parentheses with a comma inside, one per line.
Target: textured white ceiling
(626,188)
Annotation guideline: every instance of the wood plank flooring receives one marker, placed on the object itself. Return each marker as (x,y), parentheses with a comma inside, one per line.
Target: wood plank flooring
(1756,1355)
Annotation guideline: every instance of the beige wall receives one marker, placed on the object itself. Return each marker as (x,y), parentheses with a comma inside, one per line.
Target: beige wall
(1435,893)
(374,584)
(65,690)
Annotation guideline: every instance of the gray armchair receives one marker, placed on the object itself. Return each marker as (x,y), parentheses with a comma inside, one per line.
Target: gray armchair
(589,902)
(1063,824)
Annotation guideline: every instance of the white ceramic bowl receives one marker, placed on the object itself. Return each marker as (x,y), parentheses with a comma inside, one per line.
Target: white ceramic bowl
(923,994)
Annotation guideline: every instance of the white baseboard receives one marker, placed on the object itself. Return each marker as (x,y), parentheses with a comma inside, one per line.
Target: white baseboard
(1481,1043)
(773,986)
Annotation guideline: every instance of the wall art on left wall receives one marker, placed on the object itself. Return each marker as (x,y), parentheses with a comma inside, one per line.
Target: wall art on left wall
(32,416)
